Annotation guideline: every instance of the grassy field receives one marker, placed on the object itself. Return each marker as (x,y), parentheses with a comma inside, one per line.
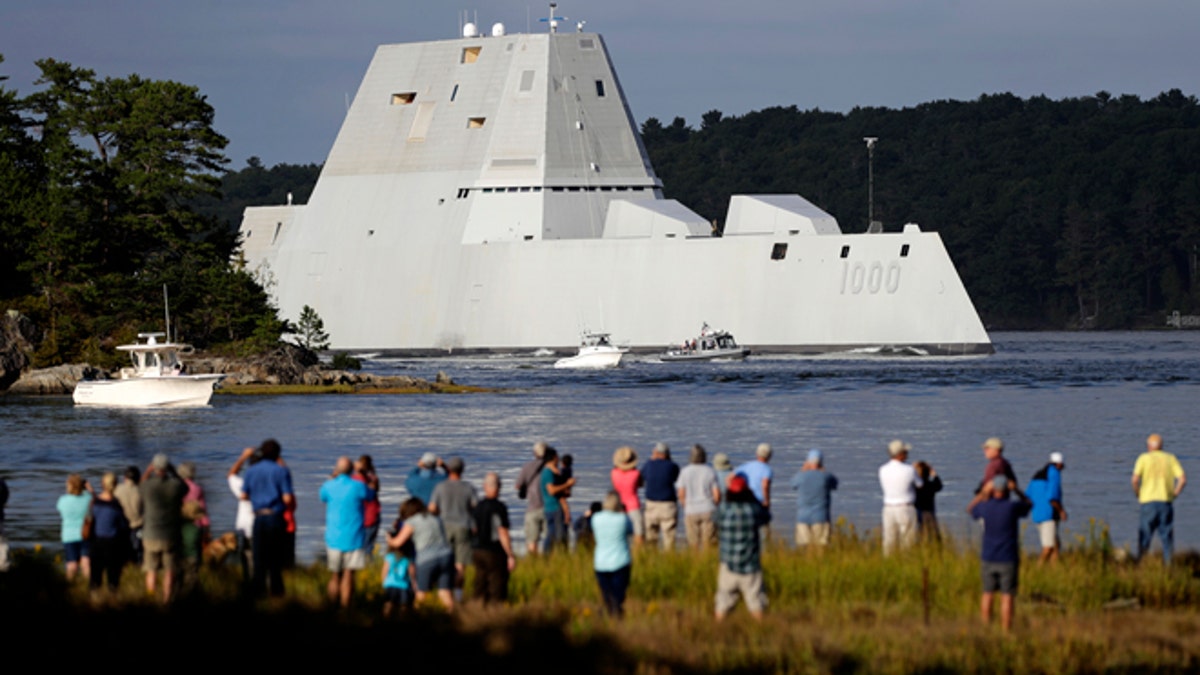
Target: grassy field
(846,609)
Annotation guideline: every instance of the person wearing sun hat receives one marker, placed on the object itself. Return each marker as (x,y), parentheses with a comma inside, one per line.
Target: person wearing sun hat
(814,487)
(899,482)
(1045,491)
(626,479)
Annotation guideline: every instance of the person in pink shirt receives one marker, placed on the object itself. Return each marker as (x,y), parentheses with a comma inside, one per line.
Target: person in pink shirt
(626,479)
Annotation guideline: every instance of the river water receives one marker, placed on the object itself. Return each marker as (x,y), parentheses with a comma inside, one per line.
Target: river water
(1092,396)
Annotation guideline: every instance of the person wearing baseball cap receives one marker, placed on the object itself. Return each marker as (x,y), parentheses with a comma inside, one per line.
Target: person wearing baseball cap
(425,476)
(814,487)
(1045,491)
(1000,555)
(899,482)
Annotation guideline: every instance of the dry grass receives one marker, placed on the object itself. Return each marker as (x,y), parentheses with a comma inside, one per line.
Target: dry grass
(846,609)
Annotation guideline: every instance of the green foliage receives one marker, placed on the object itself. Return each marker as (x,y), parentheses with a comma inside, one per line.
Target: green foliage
(100,175)
(1083,212)
(343,361)
(310,330)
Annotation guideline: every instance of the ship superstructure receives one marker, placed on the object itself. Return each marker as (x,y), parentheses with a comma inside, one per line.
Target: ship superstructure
(492,193)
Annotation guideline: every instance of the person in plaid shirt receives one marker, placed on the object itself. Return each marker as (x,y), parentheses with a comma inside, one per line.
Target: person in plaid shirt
(739,518)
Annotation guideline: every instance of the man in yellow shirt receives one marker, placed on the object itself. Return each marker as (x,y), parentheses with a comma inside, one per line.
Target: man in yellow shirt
(1157,481)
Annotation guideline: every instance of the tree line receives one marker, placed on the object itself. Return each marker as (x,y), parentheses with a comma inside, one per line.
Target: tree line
(1076,213)
(101,177)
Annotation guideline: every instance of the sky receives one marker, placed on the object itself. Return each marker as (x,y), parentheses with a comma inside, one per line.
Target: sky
(279,74)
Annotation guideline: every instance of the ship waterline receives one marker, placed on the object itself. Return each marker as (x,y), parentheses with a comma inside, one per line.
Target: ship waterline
(492,194)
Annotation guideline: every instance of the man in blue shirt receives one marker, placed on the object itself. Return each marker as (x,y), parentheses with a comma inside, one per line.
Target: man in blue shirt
(345,533)
(424,478)
(759,475)
(552,500)
(662,507)
(268,486)
(814,486)
(1001,547)
(1045,491)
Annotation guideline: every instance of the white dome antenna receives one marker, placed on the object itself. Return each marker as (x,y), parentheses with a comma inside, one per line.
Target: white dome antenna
(579,26)
(470,30)
(498,30)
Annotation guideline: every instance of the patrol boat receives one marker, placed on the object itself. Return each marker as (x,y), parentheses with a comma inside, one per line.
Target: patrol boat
(492,193)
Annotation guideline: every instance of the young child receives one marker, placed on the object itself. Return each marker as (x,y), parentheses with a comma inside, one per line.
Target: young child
(399,575)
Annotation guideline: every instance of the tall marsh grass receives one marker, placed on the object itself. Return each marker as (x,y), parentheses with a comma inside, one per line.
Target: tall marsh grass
(842,609)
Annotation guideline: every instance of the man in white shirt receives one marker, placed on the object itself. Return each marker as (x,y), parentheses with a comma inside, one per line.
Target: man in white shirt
(899,482)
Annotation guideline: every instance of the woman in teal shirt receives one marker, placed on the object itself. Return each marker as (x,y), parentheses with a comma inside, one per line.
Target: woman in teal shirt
(74,508)
(612,561)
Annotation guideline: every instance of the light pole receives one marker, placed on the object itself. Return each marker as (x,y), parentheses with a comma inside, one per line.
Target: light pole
(871,140)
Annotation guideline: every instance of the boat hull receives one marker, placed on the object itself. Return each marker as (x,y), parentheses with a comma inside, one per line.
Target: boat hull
(706,355)
(592,361)
(148,392)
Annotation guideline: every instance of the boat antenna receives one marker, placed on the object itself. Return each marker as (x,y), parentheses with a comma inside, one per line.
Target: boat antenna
(167,311)
(871,226)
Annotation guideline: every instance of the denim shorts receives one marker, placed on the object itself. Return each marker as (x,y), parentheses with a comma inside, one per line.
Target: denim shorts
(437,571)
(73,551)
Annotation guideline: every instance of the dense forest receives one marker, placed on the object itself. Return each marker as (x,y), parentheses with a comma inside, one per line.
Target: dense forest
(99,178)
(1076,213)
(1082,212)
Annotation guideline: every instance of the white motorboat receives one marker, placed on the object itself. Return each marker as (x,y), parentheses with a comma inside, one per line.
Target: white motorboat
(156,379)
(711,344)
(595,351)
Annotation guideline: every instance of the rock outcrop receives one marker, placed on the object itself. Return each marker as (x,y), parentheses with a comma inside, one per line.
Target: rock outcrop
(17,335)
(286,364)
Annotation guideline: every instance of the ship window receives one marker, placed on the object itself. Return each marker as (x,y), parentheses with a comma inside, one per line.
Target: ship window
(600,88)
(845,251)
(904,251)
(454,93)
(475,122)
(487,190)
(587,43)
(574,188)
(778,251)
(606,188)
(471,54)
(527,80)
(557,188)
(529,237)
(525,188)
(404,98)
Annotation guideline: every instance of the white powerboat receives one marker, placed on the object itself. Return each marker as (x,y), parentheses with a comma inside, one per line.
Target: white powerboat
(595,351)
(711,344)
(156,379)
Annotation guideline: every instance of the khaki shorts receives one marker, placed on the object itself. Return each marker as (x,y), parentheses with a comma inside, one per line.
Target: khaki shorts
(535,526)
(1048,533)
(158,555)
(459,538)
(339,561)
(731,584)
(639,522)
(815,534)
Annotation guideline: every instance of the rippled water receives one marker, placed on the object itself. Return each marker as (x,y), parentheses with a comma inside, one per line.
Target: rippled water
(1093,397)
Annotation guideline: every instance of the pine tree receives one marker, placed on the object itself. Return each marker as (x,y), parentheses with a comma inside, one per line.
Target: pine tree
(310,330)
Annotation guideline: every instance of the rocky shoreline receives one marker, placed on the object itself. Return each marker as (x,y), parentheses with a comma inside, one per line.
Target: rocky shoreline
(285,365)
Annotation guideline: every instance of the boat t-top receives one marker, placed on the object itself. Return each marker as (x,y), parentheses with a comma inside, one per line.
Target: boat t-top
(596,350)
(155,379)
(711,344)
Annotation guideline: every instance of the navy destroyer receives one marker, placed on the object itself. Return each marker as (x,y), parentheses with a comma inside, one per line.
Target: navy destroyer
(492,193)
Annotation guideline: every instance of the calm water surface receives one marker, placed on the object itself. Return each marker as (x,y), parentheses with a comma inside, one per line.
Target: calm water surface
(1093,397)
